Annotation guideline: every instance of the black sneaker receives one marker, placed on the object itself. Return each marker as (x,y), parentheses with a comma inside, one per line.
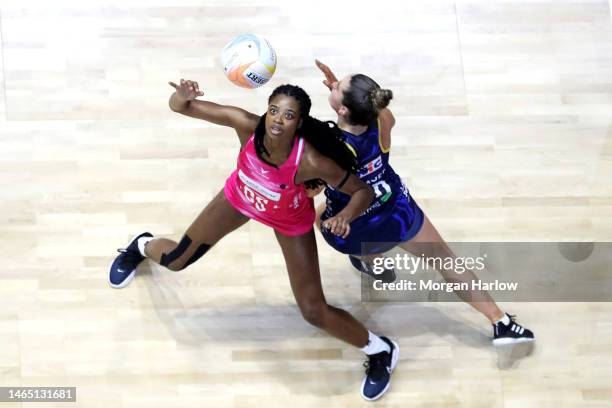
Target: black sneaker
(386,276)
(513,333)
(123,268)
(378,372)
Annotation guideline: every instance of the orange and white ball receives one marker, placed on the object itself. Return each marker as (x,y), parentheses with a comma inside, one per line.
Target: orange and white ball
(248,61)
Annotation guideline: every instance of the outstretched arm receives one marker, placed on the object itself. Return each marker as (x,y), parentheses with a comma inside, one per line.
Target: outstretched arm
(387,121)
(184,101)
(314,165)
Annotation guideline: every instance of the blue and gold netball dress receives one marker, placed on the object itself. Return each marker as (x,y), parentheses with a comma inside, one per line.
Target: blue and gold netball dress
(392,217)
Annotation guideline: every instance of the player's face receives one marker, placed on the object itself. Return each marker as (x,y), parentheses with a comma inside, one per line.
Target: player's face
(337,92)
(283,117)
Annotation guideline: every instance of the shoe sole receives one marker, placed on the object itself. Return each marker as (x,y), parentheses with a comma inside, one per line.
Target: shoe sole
(394,360)
(510,341)
(131,275)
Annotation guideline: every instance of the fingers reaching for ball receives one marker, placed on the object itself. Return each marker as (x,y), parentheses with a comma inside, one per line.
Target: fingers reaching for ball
(186,89)
(330,78)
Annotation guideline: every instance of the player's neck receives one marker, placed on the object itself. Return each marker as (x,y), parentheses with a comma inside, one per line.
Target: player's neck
(354,129)
(279,148)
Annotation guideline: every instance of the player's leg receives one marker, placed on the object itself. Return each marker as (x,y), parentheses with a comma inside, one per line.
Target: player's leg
(429,243)
(214,222)
(303,267)
(301,257)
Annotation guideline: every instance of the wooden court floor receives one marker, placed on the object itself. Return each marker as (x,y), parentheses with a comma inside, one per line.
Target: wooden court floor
(504,112)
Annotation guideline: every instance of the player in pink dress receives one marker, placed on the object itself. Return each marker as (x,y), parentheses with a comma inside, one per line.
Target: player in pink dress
(282,153)
(268,193)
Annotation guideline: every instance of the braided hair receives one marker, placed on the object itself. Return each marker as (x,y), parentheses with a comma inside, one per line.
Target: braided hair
(325,137)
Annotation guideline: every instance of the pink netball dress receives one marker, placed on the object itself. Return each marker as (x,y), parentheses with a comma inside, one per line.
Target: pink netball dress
(269,194)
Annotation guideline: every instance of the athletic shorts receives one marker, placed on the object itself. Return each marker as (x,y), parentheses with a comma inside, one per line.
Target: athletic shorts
(394,223)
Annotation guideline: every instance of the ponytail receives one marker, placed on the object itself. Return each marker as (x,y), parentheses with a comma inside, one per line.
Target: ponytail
(365,99)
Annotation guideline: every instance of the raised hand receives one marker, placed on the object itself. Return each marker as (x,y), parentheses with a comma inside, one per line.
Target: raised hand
(187,90)
(330,78)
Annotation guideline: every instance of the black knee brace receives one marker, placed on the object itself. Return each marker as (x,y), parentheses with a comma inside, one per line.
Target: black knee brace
(167,259)
(202,249)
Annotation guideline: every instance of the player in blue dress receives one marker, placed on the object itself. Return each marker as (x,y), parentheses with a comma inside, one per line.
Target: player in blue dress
(393,218)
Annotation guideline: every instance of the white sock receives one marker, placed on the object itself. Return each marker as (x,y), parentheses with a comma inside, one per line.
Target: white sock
(505,320)
(142,241)
(375,345)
